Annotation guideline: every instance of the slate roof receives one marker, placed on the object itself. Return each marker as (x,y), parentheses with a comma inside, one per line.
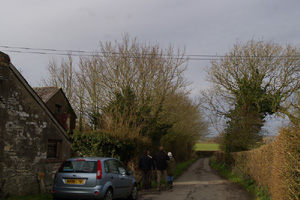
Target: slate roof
(45,93)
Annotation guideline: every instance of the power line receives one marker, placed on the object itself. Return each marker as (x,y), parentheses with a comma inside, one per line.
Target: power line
(72,54)
(67,52)
(87,53)
(60,52)
(43,49)
(43,53)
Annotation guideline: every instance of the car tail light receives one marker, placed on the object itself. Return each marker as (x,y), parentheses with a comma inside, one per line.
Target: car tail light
(80,159)
(99,170)
(59,169)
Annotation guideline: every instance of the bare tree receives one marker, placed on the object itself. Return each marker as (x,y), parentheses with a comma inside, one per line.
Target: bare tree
(131,89)
(151,72)
(61,75)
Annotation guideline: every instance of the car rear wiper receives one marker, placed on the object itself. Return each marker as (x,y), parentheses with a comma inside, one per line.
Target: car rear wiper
(68,170)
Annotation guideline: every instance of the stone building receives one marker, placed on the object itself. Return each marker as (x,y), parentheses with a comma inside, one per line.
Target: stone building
(57,102)
(33,142)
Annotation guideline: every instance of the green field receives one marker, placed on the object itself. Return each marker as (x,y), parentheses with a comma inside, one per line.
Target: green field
(207,147)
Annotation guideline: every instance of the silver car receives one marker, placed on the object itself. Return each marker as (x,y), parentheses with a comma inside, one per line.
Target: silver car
(94,178)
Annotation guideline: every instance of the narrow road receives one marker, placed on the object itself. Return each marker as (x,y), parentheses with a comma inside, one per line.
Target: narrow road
(199,183)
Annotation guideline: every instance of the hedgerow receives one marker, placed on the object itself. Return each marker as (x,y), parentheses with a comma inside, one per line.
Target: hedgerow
(104,144)
(275,166)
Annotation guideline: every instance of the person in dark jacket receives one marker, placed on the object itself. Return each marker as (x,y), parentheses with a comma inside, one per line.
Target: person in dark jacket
(146,165)
(161,166)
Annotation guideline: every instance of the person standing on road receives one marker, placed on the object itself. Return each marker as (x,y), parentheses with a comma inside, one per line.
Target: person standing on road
(171,170)
(161,166)
(153,168)
(146,164)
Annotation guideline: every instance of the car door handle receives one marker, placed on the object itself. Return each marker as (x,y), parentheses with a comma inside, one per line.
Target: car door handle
(112,177)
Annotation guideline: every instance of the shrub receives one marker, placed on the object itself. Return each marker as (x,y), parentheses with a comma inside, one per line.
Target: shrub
(103,144)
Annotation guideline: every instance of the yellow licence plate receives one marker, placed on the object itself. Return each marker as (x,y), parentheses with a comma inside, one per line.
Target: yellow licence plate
(74,181)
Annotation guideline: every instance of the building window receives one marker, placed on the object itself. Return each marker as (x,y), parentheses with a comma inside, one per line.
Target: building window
(57,108)
(54,147)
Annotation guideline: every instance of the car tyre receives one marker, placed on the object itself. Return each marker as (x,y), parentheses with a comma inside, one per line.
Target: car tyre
(108,195)
(134,193)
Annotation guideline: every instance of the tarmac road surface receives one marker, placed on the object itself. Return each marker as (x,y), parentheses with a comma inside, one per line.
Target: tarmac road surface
(199,183)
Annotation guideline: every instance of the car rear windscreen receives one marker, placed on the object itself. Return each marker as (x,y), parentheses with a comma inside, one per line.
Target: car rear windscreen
(79,167)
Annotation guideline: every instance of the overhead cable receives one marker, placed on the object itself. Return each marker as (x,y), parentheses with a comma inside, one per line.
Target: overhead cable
(58,52)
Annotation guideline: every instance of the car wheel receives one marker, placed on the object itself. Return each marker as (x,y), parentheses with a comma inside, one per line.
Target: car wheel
(108,195)
(134,193)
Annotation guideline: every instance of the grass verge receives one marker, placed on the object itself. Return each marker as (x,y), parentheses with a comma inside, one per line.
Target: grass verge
(31,197)
(249,185)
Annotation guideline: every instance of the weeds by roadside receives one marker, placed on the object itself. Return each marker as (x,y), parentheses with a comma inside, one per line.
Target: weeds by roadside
(249,185)
(183,166)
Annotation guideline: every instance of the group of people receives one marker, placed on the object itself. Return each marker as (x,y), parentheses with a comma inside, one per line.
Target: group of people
(163,163)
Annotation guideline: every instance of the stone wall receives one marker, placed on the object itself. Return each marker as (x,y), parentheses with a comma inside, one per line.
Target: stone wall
(25,128)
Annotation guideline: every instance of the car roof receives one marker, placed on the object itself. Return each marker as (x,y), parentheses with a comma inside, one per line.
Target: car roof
(90,158)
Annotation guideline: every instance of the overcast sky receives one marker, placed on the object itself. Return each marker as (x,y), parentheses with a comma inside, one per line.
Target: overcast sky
(204,27)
